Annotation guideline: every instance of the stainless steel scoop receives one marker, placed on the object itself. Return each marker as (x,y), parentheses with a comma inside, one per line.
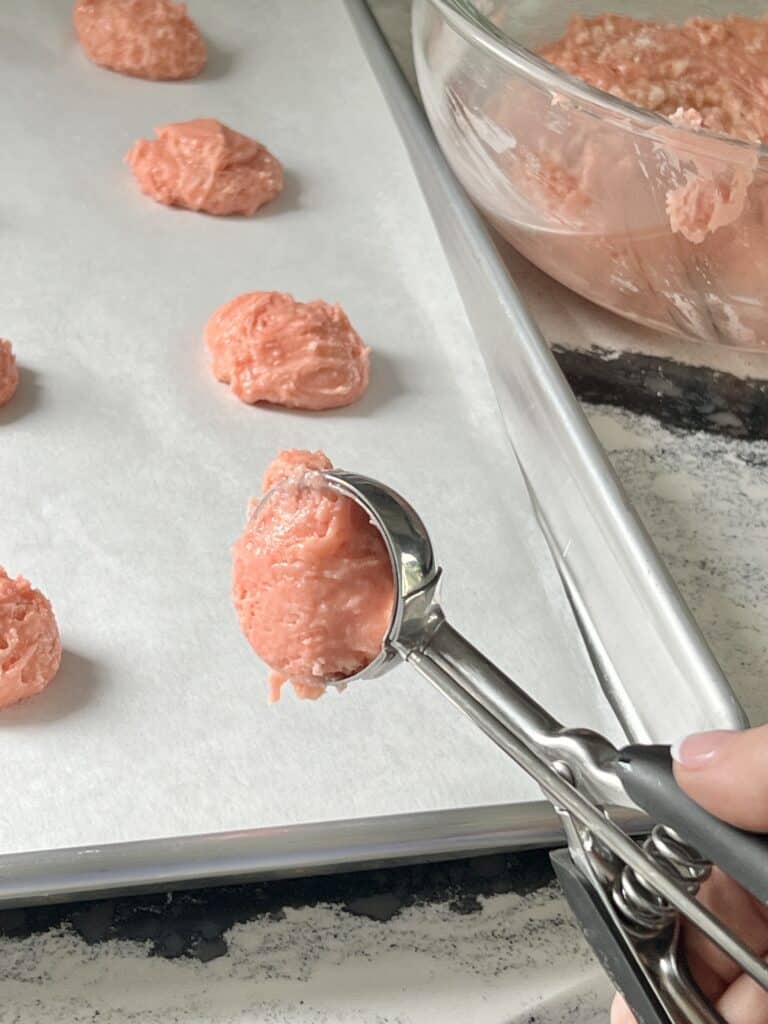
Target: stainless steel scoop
(628,898)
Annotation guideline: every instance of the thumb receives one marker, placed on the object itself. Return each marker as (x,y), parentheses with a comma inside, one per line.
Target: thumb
(727,773)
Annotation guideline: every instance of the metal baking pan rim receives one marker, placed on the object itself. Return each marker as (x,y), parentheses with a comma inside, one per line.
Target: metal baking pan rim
(90,872)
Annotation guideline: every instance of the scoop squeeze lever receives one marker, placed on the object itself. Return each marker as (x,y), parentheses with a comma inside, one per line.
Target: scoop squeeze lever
(647,776)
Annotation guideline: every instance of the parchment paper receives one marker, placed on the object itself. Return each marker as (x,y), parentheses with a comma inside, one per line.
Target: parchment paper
(125,468)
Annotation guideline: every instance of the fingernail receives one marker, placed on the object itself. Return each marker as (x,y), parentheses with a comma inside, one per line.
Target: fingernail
(699,749)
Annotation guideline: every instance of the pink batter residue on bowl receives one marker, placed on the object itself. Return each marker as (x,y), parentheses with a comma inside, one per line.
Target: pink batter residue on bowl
(9,372)
(30,647)
(270,348)
(312,582)
(702,74)
(153,39)
(203,165)
(715,69)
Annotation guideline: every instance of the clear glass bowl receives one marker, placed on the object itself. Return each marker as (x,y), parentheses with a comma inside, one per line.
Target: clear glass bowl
(660,223)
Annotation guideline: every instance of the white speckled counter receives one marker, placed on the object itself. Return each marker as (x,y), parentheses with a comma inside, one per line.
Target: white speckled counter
(704,500)
(513,958)
(323,965)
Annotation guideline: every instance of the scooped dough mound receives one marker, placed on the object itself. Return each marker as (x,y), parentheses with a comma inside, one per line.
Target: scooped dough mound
(313,586)
(146,38)
(9,373)
(270,348)
(30,647)
(203,165)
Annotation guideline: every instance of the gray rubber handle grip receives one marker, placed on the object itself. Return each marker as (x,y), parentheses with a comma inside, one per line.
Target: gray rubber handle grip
(647,777)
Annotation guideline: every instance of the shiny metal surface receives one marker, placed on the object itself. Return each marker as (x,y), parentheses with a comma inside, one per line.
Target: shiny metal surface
(584,752)
(57,876)
(325,847)
(643,912)
(417,578)
(683,992)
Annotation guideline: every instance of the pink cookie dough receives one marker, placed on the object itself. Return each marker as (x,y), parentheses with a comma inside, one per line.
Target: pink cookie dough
(203,165)
(9,373)
(312,581)
(289,462)
(153,39)
(270,348)
(30,647)
(717,70)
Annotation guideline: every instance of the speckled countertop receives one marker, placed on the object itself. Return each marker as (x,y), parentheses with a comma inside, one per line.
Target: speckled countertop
(487,940)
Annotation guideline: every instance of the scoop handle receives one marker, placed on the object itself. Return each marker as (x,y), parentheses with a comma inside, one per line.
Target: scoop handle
(647,776)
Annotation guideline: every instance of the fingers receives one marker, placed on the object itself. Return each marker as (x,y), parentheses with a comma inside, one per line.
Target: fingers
(620,1012)
(727,773)
(744,1002)
(741,1002)
(738,911)
(711,985)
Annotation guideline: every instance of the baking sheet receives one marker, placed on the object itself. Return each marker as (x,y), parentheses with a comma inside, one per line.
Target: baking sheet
(126,468)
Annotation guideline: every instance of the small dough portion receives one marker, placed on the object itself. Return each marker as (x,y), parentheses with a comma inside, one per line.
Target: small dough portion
(9,372)
(270,348)
(153,39)
(312,581)
(30,646)
(202,165)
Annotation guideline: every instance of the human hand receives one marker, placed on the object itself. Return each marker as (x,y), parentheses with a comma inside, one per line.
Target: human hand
(727,773)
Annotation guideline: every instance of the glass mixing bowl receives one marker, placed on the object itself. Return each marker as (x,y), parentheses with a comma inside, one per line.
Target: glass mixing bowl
(659,222)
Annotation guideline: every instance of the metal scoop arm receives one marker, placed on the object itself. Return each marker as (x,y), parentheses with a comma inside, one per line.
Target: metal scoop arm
(627,897)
